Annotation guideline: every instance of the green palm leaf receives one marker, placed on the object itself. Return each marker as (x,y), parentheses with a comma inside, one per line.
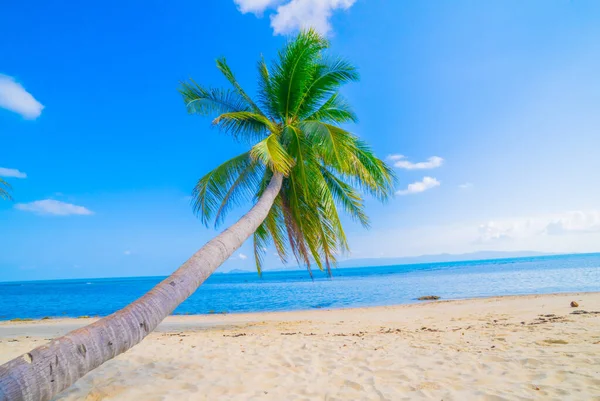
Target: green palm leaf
(270,152)
(233,182)
(334,110)
(294,69)
(327,77)
(224,68)
(216,102)
(347,197)
(267,97)
(239,121)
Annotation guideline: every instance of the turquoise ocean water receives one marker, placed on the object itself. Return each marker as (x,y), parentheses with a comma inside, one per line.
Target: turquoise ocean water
(294,290)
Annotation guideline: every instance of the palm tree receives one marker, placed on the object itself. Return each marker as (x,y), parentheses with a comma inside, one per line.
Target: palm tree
(302,168)
(5,190)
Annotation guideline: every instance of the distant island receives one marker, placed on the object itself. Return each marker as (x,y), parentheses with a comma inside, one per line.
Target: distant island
(239,271)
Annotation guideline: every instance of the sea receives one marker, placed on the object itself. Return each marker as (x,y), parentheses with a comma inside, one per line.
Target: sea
(295,290)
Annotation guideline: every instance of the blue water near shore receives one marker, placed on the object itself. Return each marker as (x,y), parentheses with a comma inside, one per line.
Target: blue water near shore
(294,290)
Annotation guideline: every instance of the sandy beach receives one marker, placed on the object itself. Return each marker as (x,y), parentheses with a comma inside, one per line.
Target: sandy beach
(503,348)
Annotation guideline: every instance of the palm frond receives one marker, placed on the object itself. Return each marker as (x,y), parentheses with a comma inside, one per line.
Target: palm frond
(239,122)
(220,189)
(294,69)
(260,241)
(372,174)
(335,110)
(211,102)
(240,190)
(267,97)
(298,228)
(224,68)
(332,228)
(351,157)
(346,196)
(327,77)
(270,152)
(330,221)
(335,145)
(275,225)
(328,242)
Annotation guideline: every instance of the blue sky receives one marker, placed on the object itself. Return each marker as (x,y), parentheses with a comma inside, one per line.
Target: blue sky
(493,106)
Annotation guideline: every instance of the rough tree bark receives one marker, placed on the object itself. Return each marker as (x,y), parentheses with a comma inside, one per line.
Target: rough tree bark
(45,371)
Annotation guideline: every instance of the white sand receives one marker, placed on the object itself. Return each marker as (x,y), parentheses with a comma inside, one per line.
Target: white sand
(483,349)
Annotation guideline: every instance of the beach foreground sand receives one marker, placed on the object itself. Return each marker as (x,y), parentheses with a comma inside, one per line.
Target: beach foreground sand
(505,348)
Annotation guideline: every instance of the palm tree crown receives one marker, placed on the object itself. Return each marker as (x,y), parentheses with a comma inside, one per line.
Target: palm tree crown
(294,126)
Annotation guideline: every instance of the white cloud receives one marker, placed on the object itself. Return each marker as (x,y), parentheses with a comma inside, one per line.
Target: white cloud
(492,232)
(15,98)
(242,256)
(255,6)
(293,15)
(400,162)
(11,172)
(466,185)
(127,252)
(301,14)
(574,223)
(53,207)
(419,186)
(579,232)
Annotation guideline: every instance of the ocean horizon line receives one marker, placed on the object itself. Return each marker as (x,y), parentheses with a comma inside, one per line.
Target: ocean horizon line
(301,269)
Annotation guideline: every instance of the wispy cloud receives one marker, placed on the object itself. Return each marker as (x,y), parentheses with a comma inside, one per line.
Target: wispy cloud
(53,207)
(127,252)
(11,172)
(399,161)
(508,233)
(15,98)
(242,256)
(419,186)
(566,223)
(576,222)
(466,185)
(255,6)
(494,232)
(292,15)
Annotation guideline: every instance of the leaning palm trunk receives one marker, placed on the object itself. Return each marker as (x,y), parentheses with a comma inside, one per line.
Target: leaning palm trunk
(49,369)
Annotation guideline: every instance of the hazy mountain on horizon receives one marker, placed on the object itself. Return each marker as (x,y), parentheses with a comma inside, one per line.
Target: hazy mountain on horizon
(408,260)
(440,258)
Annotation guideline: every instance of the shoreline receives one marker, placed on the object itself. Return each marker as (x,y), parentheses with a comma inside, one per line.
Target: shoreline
(84,320)
(54,327)
(496,348)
